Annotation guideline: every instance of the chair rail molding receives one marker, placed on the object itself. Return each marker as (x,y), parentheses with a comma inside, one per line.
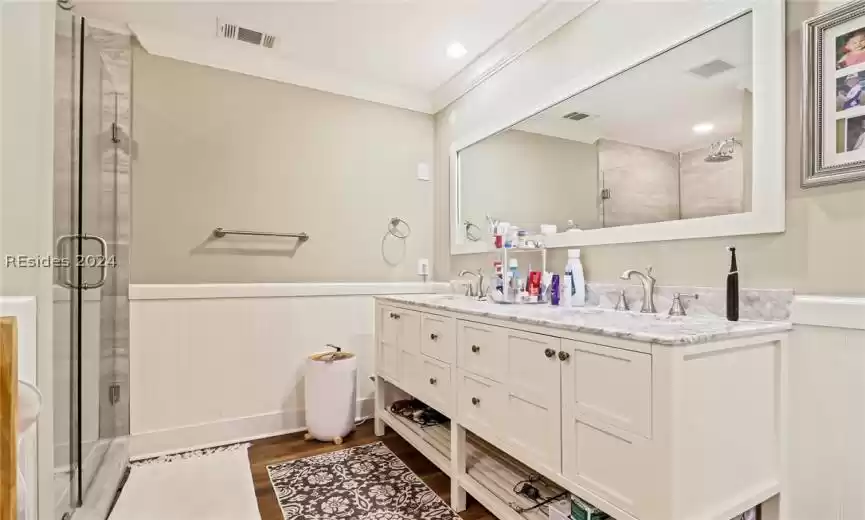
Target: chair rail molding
(841,312)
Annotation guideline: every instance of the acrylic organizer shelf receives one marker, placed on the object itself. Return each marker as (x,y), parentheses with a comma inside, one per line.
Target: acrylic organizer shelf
(504,254)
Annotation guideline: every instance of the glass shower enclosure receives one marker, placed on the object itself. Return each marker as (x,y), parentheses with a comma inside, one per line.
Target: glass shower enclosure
(91,229)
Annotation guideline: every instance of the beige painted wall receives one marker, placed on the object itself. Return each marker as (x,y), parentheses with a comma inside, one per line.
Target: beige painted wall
(823,250)
(26,192)
(529,179)
(217,148)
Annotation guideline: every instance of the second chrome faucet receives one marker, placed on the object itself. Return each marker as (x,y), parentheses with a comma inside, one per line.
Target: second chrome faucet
(648,283)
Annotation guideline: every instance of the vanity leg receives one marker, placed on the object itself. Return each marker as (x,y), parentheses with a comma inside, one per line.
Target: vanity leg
(458,466)
(378,426)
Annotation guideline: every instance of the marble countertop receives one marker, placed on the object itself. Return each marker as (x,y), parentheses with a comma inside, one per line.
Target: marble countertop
(652,328)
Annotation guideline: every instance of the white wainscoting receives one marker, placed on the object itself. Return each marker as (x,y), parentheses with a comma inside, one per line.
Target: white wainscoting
(218,363)
(826,419)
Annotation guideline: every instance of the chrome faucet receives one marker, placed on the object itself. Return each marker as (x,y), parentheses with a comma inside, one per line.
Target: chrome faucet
(479,275)
(648,282)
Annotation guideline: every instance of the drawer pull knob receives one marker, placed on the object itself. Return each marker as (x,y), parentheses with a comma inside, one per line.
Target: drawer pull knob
(433,381)
(564,356)
(394,316)
(476,401)
(433,337)
(549,352)
(476,349)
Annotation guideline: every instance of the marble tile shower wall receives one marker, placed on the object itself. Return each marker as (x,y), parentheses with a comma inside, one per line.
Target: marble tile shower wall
(114,224)
(710,189)
(643,183)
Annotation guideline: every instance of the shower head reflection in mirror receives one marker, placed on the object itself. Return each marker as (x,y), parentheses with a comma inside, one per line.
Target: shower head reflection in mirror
(722,151)
(655,152)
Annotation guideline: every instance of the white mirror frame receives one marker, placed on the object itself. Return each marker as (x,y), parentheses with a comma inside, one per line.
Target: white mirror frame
(768,198)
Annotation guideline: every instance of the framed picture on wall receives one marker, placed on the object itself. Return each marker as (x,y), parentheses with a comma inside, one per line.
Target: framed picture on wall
(834,125)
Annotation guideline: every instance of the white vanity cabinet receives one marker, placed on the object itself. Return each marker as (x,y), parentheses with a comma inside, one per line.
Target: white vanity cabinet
(643,430)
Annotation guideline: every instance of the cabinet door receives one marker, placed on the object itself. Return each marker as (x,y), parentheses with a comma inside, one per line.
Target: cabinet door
(606,423)
(387,361)
(408,329)
(387,339)
(532,411)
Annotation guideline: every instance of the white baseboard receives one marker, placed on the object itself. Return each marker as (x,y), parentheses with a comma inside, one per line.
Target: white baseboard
(199,436)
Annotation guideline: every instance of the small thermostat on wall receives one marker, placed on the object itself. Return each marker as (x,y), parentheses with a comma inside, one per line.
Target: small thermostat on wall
(423,171)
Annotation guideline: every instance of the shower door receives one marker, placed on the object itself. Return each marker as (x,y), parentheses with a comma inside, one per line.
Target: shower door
(90,298)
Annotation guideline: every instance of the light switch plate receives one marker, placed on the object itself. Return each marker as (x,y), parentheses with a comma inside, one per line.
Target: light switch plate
(423,172)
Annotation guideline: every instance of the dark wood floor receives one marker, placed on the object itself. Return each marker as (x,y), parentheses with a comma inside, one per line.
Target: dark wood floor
(287,447)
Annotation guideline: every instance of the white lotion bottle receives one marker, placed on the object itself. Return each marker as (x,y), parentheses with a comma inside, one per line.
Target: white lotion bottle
(577,285)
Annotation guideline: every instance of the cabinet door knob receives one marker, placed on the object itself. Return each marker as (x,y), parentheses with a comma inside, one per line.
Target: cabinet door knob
(433,337)
(433,380)
(476,401)
(476,349)
(564,356)
(394,316)
(549,352)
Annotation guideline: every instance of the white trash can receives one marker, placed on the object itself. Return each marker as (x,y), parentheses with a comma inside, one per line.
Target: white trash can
(331,395)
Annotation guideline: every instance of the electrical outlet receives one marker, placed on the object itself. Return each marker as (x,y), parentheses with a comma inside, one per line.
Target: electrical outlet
(423,172)
(423,267)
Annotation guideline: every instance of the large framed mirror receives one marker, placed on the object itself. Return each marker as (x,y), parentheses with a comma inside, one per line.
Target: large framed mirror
(686,143)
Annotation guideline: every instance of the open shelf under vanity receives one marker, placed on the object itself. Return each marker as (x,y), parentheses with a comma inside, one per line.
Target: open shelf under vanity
(490,474)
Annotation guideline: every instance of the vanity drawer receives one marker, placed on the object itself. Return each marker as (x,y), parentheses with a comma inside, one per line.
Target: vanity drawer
(609,386)
(438,337)
(480,404)
(434,385)
(481,349)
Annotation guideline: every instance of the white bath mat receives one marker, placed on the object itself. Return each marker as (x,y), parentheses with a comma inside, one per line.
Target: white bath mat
(213,484)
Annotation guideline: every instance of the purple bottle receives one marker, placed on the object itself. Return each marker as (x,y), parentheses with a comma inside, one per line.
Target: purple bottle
(554,290)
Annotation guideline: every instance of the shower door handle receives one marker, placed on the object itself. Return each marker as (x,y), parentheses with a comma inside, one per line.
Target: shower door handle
(103,262)
(61,269)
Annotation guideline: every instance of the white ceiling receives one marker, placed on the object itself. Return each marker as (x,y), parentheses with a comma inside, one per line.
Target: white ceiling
(657,103)
(397,42)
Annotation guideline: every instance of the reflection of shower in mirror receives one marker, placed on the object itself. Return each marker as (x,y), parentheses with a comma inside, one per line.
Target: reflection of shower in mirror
(722,151)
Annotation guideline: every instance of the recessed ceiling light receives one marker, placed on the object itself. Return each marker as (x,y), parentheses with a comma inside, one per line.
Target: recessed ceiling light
(703,128)
(456,50)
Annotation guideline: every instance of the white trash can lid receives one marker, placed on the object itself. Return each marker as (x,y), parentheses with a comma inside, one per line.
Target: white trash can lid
(330,357)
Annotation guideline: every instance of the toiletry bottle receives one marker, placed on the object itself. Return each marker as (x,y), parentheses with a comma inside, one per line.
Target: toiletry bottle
(733,287)
(513,278)
(566,290)
(554,290)
(577,285)
(499,276)
(505,231)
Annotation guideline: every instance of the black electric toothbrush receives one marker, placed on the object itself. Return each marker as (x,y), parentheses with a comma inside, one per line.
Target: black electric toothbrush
(733,287)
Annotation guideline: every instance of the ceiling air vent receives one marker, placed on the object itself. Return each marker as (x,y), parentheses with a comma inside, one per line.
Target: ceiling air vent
(713,68)
(575,116)
(232,31)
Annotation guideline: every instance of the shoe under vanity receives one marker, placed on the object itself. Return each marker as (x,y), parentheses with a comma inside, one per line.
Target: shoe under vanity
(647,417)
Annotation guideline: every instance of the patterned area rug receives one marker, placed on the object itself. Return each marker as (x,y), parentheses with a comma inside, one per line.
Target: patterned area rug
(362,483)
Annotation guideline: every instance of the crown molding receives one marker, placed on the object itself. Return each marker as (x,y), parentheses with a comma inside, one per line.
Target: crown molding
(543,22)
(269,64)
